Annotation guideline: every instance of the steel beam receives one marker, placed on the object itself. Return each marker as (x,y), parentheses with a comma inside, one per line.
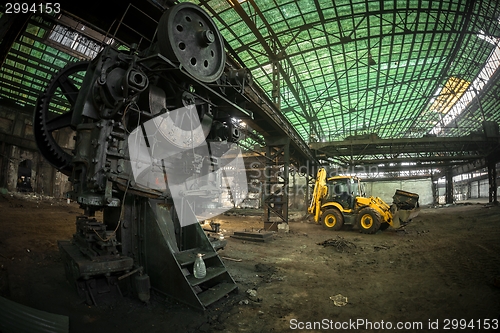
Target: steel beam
(11,26)
(270,122)
(276,182)
(375,151)
(445,71)
(275,57)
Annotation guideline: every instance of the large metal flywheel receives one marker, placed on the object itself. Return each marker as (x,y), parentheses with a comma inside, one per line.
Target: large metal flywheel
(188,35)
(62,89)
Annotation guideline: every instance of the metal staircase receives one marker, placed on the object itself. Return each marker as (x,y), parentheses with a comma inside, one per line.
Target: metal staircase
(169,251)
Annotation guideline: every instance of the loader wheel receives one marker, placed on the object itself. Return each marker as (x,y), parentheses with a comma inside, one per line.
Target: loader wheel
(368,220)
(332,219)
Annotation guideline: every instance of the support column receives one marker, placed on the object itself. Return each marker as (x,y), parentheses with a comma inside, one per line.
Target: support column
(492,181)
(4,162)
(306,199)
(435,190)
(276,182)
(293,195)
(449,186)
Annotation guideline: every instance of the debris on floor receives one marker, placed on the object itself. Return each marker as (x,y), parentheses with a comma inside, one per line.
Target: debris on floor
(286,276)
(267,273)
(252,295)
(339,300)
(254,236)
(283,227)
(340,243)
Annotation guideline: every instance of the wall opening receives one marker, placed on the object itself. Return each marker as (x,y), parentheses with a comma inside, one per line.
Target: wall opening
(24,176)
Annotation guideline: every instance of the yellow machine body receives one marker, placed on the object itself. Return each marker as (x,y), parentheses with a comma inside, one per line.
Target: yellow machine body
(342,199)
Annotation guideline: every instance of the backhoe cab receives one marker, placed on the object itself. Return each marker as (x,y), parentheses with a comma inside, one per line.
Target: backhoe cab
(342,200)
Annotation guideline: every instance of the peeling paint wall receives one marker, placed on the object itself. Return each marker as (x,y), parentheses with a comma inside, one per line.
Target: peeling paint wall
(17,144)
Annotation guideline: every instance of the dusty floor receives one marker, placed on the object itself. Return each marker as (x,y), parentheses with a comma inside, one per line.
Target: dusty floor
(444,266)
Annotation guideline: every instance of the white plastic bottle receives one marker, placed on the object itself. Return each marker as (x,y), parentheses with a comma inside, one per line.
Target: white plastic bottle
(199,269)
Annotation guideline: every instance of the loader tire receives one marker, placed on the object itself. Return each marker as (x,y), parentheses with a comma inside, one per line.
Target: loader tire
(368,220)
(332,219)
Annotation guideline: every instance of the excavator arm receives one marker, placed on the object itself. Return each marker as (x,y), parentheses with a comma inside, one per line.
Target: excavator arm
(320,191)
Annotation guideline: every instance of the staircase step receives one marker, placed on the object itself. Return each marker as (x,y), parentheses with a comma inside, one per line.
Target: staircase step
(185,258)
(211,273)
(212,295)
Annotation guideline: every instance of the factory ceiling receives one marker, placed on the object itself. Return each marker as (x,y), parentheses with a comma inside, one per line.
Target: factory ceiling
(399,69)
(395,68)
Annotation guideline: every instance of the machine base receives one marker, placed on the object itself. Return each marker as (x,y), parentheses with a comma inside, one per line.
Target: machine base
(93,278)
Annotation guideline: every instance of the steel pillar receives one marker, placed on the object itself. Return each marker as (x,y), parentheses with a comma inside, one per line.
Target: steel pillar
(4,164)
(308,177)
(492,181)
(435,189)
(449,186)
(276,181)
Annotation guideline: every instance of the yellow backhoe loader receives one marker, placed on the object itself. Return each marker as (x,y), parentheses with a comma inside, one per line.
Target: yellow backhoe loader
(342,200)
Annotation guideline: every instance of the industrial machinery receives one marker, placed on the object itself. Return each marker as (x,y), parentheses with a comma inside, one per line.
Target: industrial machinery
(342,200)
(154,143)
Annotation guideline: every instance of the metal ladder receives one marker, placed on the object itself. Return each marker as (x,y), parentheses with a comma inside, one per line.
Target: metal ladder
(169,252)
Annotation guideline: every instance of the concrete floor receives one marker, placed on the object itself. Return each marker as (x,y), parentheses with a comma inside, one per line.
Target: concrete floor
(444,265)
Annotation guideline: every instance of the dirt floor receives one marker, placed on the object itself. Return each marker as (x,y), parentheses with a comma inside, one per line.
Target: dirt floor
(444,266)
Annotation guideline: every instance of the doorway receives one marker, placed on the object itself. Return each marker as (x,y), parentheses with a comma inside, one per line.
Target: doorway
(24,176)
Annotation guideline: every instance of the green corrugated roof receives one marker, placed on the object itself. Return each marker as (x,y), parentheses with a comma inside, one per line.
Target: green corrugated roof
(346,67)
(361,66)
(30,65)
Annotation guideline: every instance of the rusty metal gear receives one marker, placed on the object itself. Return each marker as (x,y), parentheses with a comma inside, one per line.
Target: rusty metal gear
(46,121)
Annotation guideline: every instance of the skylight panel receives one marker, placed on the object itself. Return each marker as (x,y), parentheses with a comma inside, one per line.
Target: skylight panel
(490,67)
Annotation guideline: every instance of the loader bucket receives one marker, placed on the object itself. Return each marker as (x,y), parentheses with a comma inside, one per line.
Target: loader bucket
(406,208)
(403,217)
(405,200)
